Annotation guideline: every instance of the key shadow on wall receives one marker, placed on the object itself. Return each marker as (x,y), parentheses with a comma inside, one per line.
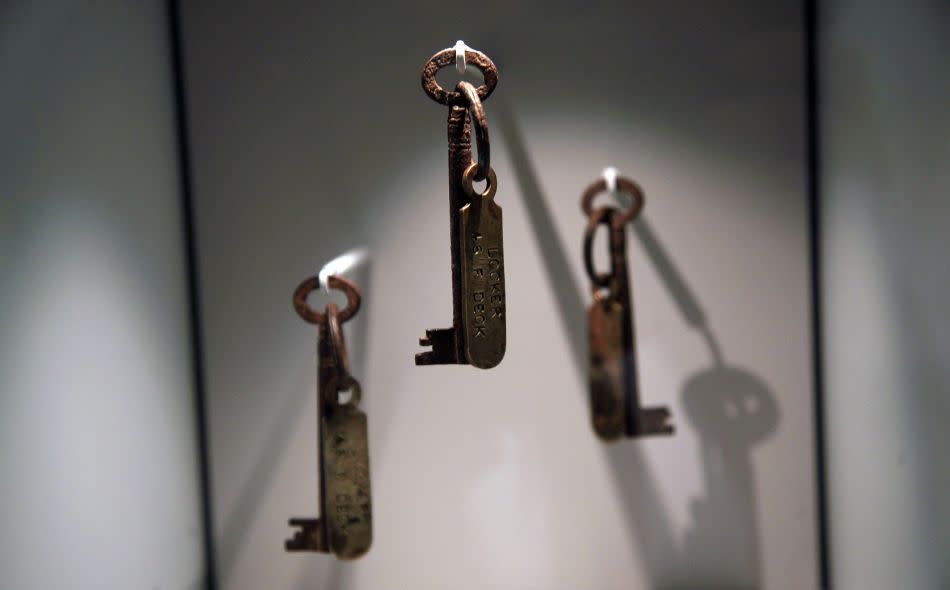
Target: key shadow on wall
(731,409)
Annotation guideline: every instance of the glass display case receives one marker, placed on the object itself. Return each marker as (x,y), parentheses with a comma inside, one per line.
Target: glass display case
(739,383)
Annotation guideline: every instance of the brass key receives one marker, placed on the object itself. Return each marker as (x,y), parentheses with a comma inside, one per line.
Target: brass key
(614,388)
(345,525)
(477,336)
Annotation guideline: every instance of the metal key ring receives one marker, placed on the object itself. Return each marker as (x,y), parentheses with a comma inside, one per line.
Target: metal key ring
(336,339)
(339,383)
(334,282)
(624,185)
(476,113)
(470,174)
(446,57)
(601,216)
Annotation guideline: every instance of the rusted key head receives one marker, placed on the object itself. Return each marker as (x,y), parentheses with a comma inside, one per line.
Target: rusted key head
(624,185)
(446,57)
(311,284)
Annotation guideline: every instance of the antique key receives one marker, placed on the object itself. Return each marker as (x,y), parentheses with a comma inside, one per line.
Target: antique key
(614,390)
(344,526)
(477,335)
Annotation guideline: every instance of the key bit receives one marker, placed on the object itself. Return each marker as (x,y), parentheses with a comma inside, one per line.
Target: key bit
(444,348)
(310,536)
(653,421)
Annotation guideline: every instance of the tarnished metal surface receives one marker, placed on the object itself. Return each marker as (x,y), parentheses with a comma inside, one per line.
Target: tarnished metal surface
(479,122)
(447,343)
(345,525)
(607,404)
(483,275)
(467,214)
(614,387)
(347,509)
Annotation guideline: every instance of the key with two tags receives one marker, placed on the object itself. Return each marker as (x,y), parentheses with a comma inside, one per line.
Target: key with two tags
(345,524)
(614,387)
(477,335)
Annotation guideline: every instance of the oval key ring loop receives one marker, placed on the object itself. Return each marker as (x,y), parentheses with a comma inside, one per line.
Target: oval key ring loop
(624,185)
(336,340)
(476,113)
(446,57)
(334,282)
(339,383)
(601,216)
(469,176)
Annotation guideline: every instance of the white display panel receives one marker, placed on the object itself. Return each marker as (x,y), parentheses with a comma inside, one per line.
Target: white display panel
(885,89)
(99,481)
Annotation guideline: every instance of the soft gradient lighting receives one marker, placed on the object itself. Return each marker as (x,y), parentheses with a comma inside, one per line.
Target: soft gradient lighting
(342,264)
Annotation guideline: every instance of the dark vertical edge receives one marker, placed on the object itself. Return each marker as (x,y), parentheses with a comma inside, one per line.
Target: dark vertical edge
(813,175)
(194,293)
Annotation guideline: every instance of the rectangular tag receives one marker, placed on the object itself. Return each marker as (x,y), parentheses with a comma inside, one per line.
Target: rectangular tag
(483,282)
(605,325)
(347,513)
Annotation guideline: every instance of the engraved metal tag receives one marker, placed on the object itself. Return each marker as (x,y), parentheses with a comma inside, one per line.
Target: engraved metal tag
(605,320)
(348,515)
(483,275)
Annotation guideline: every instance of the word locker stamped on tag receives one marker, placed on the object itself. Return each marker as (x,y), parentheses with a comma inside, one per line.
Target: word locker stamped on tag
(483,274)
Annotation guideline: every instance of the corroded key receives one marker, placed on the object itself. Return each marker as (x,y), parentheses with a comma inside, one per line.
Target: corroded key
(477,336)
(345,525)
(614,387)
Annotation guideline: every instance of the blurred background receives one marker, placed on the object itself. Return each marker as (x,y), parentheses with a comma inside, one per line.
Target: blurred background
(173,170)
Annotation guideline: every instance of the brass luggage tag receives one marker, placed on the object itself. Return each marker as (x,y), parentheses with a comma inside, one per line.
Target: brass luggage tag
(483,274)
(345,525)
(347,505)
(605,324)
